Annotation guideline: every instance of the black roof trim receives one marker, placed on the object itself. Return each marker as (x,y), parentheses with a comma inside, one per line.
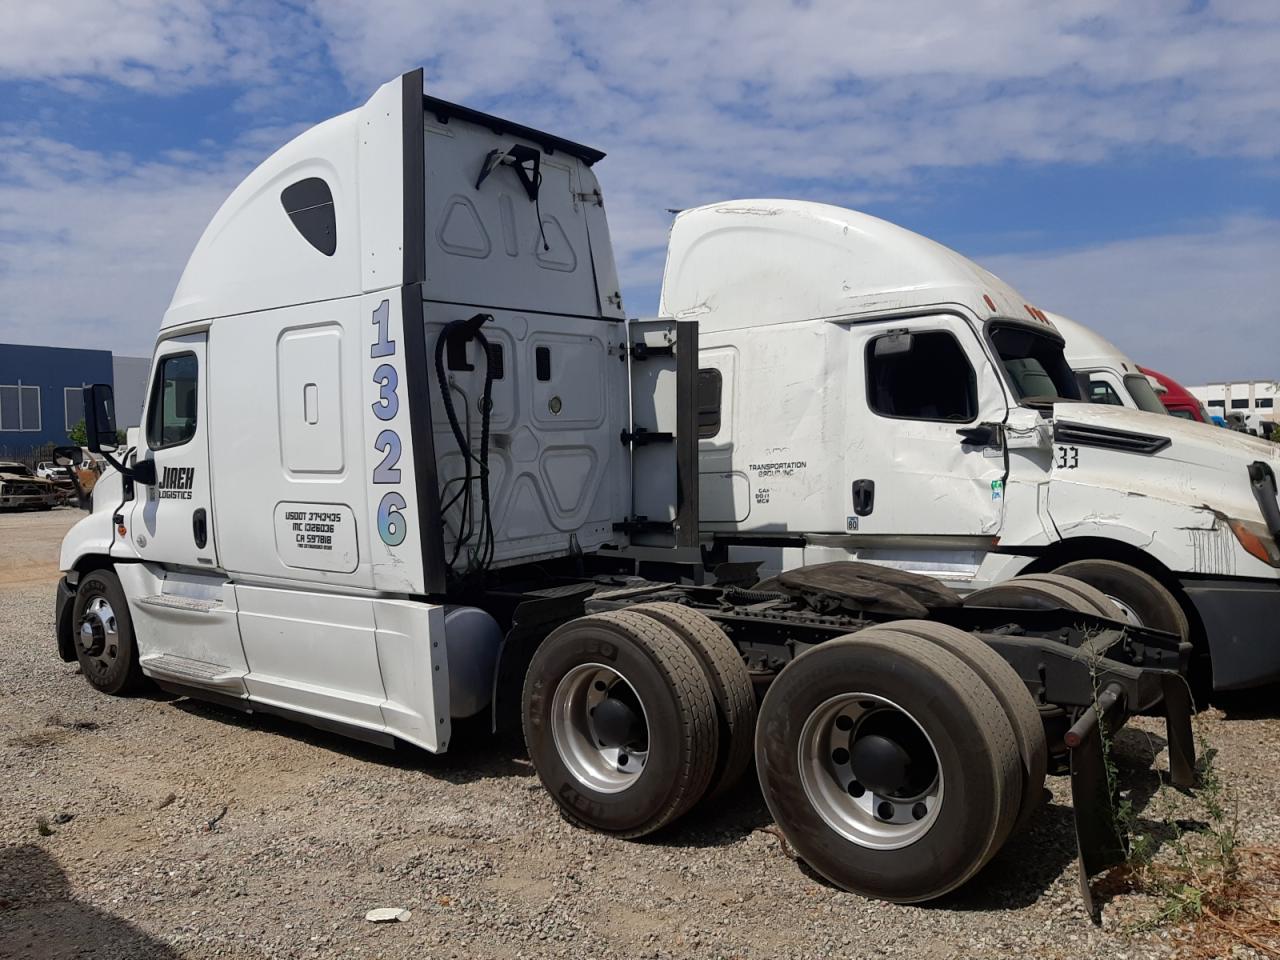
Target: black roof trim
(443,110)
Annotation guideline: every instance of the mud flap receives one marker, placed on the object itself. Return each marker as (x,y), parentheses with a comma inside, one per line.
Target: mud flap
(1099,842)
(1181,741)
(64,629)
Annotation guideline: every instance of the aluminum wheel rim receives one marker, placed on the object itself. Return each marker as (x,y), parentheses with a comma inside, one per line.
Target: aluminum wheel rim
(99,634)
(860,814)
(594,758)
(1130,617)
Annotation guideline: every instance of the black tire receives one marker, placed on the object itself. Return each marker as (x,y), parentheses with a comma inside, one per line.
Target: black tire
(730,685)
(971,737)
(1100,603)
(1152,604)
(1028,593)
(676,698)
(1015,698)
(111,667)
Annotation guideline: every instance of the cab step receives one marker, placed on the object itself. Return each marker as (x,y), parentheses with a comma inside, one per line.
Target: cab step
(196,673)
(174,601)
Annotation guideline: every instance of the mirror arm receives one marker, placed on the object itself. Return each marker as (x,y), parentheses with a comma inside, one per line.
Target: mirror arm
(137,473)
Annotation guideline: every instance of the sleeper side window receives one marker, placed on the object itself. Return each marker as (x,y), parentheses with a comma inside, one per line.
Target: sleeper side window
(171,413)
(710,385)
(927,377)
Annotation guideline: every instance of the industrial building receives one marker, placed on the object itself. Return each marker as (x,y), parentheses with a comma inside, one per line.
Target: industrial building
(1253,400)
(40,392)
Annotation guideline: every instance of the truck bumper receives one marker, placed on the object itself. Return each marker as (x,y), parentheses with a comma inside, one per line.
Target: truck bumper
(64,606)
(1242,621)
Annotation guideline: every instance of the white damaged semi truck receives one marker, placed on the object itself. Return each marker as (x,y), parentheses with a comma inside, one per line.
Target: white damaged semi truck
(868,394)
(404,462)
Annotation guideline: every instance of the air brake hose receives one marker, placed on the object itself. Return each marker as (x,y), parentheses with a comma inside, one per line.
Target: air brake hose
(470,329)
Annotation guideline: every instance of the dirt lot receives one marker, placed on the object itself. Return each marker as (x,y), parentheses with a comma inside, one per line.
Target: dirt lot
(151,828)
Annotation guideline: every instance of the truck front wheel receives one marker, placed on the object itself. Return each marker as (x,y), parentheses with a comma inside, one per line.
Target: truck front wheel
(889,765)
(103,633)
(620,722)
(1141,597)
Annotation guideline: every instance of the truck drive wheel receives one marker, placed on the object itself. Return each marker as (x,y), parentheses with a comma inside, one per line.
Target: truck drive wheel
(103,632)
(1015,699)
(888,764)
(1142,599)
(730,686)
(620,722)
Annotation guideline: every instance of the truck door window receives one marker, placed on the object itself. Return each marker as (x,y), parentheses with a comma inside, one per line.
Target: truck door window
(710,384)
(932,380)
(1102,392)
(171,418)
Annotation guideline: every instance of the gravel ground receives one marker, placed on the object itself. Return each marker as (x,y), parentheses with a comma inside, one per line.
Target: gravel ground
(176,829)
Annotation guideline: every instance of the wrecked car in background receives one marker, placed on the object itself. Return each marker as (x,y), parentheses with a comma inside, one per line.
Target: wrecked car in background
(19,487)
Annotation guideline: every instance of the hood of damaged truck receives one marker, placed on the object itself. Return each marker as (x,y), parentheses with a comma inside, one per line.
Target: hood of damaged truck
(1167,485)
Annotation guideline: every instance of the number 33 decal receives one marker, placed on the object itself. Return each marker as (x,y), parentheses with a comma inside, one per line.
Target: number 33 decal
(1068,458)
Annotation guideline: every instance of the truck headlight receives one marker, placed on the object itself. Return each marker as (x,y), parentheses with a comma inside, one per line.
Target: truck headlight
(1256,540)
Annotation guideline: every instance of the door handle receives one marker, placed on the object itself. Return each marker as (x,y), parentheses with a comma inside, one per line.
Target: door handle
(864,497)
(200,527)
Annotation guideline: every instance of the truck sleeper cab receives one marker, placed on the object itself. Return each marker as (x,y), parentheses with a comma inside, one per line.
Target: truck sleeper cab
(921,414)
(404,462)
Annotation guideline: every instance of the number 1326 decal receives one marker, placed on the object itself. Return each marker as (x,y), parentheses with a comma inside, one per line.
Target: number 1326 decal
(391,522)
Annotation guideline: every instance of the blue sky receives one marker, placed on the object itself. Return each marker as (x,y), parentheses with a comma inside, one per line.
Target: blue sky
(1118,163)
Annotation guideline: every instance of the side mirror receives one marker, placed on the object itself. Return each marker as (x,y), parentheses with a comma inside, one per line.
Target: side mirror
(100,417)
(893,344)
(983,435)
(67,456)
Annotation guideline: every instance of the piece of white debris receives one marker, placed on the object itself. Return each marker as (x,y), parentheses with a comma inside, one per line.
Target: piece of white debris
(388,915)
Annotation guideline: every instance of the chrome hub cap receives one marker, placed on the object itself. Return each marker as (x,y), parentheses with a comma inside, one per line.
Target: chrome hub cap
(600,728)
(870,771)
(99,636)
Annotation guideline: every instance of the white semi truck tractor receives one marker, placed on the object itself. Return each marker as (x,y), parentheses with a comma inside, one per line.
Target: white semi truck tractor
(867,394)
(405,462)
(1105,373)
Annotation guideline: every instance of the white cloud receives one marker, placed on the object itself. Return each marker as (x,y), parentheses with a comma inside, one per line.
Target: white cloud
(1200,306)
(837,100)
(845,101)
(92,244)
(157,46)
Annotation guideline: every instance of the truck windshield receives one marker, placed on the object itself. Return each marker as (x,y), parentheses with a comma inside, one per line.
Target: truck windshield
(1034,365)
(1143,394)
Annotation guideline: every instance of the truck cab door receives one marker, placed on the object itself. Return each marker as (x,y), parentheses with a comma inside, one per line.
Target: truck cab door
(925,451)
(184,608)
(172,521)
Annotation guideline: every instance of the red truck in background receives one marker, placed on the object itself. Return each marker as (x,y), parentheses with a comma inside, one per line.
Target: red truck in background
(1178,400)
